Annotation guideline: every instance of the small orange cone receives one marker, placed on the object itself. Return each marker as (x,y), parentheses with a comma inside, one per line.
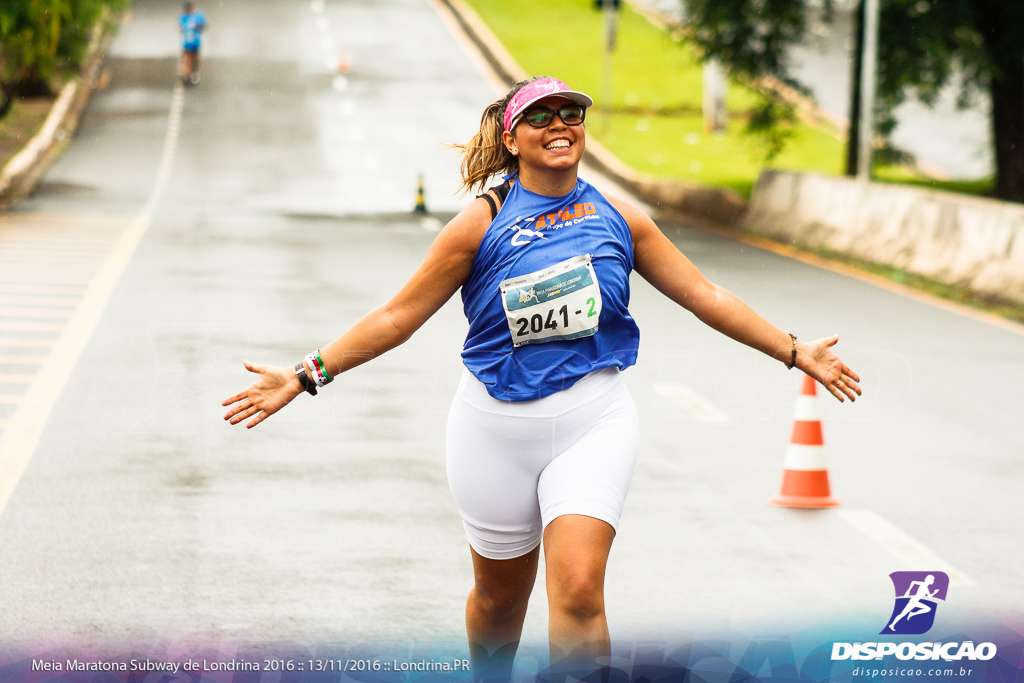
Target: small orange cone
(805,476)
(344,62)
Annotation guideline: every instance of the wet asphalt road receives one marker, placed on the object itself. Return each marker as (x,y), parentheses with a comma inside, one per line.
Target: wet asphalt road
(285,216)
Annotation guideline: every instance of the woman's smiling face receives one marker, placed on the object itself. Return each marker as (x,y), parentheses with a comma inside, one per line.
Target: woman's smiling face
(556,146)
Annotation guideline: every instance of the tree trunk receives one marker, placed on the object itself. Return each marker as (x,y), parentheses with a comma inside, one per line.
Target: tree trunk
(1008,130)
(1002,28)
(857,61)
(6,100)
(32,86)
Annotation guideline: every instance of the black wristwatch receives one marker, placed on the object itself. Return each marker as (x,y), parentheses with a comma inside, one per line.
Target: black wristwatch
(308,385)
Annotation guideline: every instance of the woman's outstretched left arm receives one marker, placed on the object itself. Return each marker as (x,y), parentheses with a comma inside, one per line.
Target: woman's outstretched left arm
(659,262)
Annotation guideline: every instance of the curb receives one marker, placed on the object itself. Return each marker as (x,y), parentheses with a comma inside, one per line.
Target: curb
(23,172)
(724,207)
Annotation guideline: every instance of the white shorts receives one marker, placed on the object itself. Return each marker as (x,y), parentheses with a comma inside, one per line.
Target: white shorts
(514,467)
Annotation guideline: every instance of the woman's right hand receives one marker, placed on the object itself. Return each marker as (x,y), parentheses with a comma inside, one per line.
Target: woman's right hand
(817,360)
(273,389)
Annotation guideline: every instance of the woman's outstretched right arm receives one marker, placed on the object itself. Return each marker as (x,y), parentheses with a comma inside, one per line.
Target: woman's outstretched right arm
(444,269)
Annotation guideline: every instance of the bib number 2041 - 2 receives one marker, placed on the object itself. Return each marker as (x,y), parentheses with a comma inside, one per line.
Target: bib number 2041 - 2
(559,302)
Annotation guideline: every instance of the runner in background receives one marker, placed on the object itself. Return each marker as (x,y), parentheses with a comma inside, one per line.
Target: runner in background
(192,24)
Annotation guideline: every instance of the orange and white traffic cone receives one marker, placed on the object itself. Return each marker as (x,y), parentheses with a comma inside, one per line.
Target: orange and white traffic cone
(805,476)
(344,62)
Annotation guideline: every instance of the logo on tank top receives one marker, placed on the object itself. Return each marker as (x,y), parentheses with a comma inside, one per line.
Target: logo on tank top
(574,214)
(525,236)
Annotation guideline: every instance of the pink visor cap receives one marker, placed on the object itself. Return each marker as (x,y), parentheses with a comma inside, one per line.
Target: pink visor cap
(538,90)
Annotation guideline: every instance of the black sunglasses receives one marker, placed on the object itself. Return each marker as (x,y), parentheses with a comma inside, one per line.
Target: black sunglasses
(541,117)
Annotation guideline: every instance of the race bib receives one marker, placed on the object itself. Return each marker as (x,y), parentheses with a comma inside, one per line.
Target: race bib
(559,302)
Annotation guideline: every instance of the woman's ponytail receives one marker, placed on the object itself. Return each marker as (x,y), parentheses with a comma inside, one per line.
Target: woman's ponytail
(485,155)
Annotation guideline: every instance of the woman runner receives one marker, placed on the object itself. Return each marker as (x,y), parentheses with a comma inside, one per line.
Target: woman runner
(542,434)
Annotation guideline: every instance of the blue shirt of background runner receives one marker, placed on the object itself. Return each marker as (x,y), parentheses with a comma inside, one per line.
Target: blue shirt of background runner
(533,371)
(192,26)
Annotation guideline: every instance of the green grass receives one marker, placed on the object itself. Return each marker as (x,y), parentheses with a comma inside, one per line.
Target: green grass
(981,187)
(678,147)
(565,39)
(655,124)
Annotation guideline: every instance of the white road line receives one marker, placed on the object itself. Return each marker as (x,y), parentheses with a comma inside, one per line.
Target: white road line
(913,554)
(31,313)
(33,276)
(20,437)
(690,402)
(38,289)
(21,326)
(29,262)
(41,291)
(30,245)
(12,342)
(61,246)
(39,299)
(166,160)
(72,220)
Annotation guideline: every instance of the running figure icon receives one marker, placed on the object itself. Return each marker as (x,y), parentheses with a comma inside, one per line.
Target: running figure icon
(526,295)
(915,606)
(917,594)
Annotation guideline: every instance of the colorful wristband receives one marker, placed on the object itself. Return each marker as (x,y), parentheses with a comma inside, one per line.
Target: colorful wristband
(323,366)
(316,364)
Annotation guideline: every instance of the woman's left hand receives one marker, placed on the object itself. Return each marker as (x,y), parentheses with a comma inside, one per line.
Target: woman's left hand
(273,389)
(818,361)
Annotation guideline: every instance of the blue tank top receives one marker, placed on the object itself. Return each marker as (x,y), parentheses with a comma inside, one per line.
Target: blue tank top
(534,258)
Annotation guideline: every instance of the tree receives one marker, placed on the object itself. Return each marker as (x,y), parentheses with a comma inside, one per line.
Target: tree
(40,37)
(922,45)
(29,34)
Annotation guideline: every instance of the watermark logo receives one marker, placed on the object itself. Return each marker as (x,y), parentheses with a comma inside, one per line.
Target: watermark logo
(917,598)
